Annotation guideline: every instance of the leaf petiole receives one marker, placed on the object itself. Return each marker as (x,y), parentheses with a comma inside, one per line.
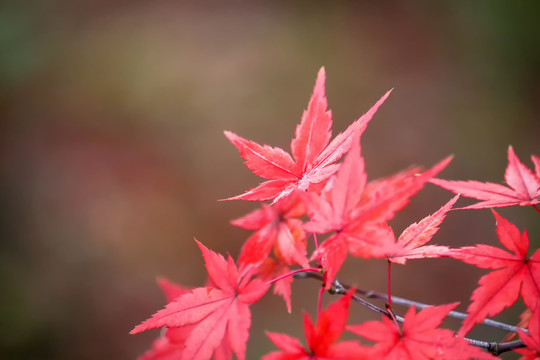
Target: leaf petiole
(281,277)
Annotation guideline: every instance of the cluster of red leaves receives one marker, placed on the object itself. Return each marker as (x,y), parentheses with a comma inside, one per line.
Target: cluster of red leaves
(524,186)
(532,339)
(353,214)
(420,338)
(321,338)
(215,319)
(501,288)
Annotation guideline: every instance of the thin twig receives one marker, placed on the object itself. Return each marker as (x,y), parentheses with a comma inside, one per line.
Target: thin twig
(405,302)
(389,284)
(493,347)
(338,288)
(497,348)
(454,314)
(319,301)
(292,273)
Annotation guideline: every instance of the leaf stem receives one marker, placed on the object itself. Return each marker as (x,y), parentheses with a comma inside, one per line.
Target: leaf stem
(342,290)
(292,273)
(316,242)
(454,314)
(319,302)
(405,302)
(389,285)
(536,207)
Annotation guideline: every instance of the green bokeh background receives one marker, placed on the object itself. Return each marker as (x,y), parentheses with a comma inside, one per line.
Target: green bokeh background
(113,156)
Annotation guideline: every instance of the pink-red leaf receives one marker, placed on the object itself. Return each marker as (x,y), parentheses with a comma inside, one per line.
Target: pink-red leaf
(532,339)
(170,289)
(279,227)
(321,337)
(384,197)
(523,190)
(314,157)
(287,344)
(265,161)
(170,345)
(271,269)
(163,349)
(358,212)
(420,339)
(314,131)
(411,243)
(332,254)
(501,288)
(219,318)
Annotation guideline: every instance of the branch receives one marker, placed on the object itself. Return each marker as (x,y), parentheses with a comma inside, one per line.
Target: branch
(454,314)
(497,348)
(405,302)
(340,289)
(493,347)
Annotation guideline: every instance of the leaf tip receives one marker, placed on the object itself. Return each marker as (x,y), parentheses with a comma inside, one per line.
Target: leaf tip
(322,72)
(319,83)
(137,329)
(497,216)
(201,246)
(385,96)
(229,135)
(453,200)
(447,160)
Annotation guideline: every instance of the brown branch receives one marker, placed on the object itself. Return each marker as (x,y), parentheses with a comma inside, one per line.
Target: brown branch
(493,347)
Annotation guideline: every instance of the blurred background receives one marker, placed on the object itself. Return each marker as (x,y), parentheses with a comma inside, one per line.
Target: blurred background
(113,156)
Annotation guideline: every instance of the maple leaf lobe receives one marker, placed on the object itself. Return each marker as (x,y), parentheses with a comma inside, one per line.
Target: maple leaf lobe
(314,155)
(421,337)
(218,317)
(523,186)
(514,274)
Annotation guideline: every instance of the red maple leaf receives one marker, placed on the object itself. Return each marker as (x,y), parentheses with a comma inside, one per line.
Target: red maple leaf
(314,156)
(321,338)
(163,349)
(357,211)
(170,345)
(411,242)
(532,339)
(278,226)
(501,288)
(271,269)
(170,289)
(523,190)
(420,338)
(218,317)
(524,318)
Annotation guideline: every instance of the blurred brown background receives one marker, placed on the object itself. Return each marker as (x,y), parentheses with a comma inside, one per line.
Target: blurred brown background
(113,156)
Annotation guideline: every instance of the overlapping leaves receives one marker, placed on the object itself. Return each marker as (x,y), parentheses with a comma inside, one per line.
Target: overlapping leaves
(523,190)
(516,273)
(352,214)
(218,316)
(321,338)
(419,339)
(313,155)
